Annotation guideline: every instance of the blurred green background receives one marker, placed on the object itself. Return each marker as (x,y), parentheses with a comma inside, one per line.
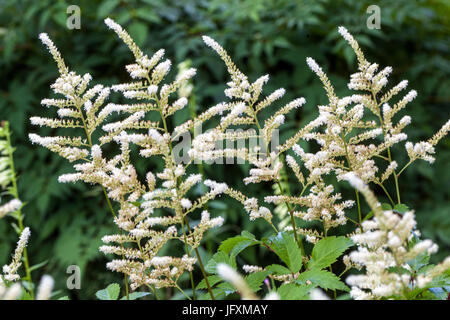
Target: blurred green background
(262,36)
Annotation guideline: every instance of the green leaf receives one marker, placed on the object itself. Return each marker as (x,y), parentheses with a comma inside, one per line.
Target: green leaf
(110,293)
(278,269)
(38,265)
(28,285)
(138,31)
(323,279)
(401,208)
(255,279)
(212,281)
(217,292)
(64,298)
(420,261)
(284,245)
(106,8)
(148,15)
(384,206)
(235,245)
(327,250)
(135,295)
(248,235)
(227,287)
(291,291)
(439,293)
(219,257)
(398,270)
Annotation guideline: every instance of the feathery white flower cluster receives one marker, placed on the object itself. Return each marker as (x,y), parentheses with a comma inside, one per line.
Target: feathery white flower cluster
(144,227)
(348,142)
(351,146)
(385,245)
(243,112)
(141,222)
(45,288)
(9,207)
(10,271)
(13,292)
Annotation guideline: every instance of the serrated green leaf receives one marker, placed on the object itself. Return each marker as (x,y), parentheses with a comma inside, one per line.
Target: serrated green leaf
(213,280)
(248,235)
(291,291)
(135,295)
(255,279)
(284,245)
(401,208)
(420,261)
(278,269)
(110,293)
(228,244)
(327,250)
(219,257)
(398,270)
(323,279)
(227,287)
(217,292)
(235,245)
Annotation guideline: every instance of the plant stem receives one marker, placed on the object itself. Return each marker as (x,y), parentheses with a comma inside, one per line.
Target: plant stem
(187,252)
(178,287)
(154,291)
(88,136)
(291,211)
(356,191)
(201,170)
(202,268)
(397,189)
(180,209)
(387,193)
(359,206)
(15,193)
(406,166)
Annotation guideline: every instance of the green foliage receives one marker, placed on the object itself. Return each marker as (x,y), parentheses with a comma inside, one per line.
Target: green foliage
(285,247)
(255,280)
(327,250)
(219,257)
(235,245)
(291,291)
(322,278)
(111,292)
(135,295)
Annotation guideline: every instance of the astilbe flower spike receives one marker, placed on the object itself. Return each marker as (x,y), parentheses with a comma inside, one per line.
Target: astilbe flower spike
(144,231)
(386,243)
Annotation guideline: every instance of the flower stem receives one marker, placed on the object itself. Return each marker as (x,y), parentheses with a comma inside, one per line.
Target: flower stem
(291,211)
(202,267)
(88,136)
(397,189)
(180,209)
(15,193)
